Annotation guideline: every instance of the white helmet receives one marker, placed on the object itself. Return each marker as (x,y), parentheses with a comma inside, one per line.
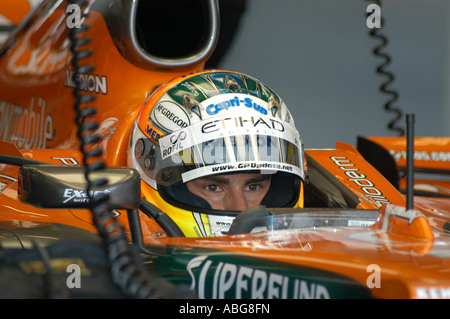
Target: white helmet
(208,123)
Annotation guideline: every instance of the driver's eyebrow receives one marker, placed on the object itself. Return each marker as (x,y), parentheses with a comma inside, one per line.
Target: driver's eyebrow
(261,178)
(216,179)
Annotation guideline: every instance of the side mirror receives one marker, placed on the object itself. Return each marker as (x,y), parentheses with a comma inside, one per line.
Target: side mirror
(61,186)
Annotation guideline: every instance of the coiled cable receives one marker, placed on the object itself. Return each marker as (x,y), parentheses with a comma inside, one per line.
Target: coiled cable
(127,272)
(381,69)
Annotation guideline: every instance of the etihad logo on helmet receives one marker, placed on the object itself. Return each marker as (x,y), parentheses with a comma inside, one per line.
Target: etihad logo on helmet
(260,124)
(223,126)
(237,101)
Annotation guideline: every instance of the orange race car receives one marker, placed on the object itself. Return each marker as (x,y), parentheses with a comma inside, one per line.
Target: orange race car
(65,175)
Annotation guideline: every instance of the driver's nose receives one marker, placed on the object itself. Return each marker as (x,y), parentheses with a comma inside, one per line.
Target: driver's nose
(236,201)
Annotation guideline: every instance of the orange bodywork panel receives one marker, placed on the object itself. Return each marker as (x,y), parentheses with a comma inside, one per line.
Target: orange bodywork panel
(409,248)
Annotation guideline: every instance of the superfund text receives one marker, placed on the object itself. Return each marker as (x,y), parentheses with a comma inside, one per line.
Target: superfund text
(239,281)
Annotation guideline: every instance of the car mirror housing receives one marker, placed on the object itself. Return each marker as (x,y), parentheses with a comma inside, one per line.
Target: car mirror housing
(61,186)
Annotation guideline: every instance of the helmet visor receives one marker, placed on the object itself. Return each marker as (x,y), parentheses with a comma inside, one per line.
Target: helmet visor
(229,144)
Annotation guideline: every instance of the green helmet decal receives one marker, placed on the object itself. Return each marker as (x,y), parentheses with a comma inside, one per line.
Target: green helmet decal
(195,89)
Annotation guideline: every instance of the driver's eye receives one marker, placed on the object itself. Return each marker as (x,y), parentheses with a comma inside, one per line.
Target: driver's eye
(211,188)
(253,187)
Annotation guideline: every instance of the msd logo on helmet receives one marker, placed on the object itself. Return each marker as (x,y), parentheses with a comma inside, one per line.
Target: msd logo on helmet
(219,104)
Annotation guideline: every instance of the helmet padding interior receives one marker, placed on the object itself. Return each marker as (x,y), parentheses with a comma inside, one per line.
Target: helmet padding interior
(284,191)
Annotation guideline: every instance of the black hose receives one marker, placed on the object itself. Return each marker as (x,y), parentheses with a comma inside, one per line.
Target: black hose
(18,161)
(167,223)
(126,270)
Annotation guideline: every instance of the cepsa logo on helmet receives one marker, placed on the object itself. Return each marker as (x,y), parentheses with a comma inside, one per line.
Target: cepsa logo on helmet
(225,102)
(169,116)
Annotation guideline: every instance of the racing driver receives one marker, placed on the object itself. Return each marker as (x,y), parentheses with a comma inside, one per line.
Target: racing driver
(213,143)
